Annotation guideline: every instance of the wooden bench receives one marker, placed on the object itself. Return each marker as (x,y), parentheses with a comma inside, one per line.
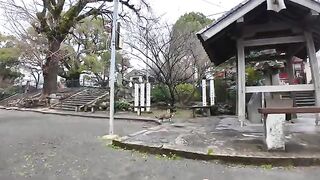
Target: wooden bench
(274,130)
(292,110)
(204,108)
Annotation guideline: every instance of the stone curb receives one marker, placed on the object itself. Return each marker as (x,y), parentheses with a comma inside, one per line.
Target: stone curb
(234,159)
(81,115)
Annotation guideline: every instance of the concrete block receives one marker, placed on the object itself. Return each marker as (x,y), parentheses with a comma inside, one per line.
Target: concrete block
(275,137)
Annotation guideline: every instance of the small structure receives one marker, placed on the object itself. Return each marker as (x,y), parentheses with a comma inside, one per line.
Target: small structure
(142,90)
(288,27)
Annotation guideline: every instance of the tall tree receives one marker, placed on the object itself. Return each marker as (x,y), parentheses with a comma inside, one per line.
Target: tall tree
(188,25)
(89,38)
(55,20)
(173,52)
(33,47)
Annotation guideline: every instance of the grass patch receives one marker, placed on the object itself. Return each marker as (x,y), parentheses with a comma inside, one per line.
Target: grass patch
(210,152)
(168,157)
(113,147)
(266,166)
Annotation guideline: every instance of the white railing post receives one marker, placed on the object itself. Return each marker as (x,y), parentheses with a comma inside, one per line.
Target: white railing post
(142,96)
(136,96)
(212,92)
(148,100)
(204,92)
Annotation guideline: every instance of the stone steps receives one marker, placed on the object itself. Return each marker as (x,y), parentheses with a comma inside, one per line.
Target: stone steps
(305,99)
(80,99)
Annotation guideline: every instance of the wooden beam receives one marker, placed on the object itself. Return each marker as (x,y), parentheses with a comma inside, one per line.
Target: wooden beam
(241,81)
(314,68)
(309,4)
(280,88)
(267,58)
(240,20)
(314,13)
(251,30)
(272,41)
(289,110)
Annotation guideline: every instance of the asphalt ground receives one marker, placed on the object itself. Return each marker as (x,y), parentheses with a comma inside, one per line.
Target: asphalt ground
(51,147)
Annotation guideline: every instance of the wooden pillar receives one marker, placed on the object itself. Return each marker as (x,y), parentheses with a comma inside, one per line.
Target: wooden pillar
(314,68)
(291,82)
(241,105)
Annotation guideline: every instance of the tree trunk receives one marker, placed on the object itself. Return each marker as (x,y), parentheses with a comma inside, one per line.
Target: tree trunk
(172,95)
(50,68)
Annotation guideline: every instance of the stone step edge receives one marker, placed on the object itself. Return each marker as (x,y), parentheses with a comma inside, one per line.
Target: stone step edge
(233,159)
(151,120)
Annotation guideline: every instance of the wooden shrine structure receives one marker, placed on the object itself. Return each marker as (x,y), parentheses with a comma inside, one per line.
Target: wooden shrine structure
(290,27)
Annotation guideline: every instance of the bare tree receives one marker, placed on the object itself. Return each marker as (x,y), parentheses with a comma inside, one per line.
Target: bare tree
(33,53)
(170,60)
(55,19)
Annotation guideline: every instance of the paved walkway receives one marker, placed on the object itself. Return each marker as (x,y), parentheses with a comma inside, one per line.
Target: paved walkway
(215,138)
(98,114)
(223,138)
(38,146)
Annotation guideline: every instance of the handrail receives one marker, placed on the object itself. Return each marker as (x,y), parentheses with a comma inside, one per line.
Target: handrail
(95,100)
(76,94)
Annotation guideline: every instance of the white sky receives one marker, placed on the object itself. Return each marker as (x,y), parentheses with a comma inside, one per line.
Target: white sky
(173,9)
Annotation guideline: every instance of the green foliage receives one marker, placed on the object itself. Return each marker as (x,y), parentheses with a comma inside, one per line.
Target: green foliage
(187,92)
(7,92)
(122,106)
(221,87)
(192,22)
(253,77)
(160,93)
(267,166)
(113,147)
(9,58)
(171,156)
(210,151)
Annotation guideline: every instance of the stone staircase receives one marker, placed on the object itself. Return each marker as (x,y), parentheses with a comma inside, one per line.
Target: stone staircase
(16,98)
(81,99)
(305,99)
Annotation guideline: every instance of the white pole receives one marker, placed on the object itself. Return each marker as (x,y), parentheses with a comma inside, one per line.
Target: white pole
(136,96)
(212,93)
(142,95)
(148,97)
(112,65)
(147,52)
(204,92)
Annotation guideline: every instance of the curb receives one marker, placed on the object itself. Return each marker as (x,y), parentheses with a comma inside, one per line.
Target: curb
(81,115)
(232,159)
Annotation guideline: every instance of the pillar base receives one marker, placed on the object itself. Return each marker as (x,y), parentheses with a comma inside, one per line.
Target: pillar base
(275,137)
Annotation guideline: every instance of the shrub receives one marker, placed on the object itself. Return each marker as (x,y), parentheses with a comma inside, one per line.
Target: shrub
(252,77)
(187,92)
(221,90)
(160,93)
(5,93)
(122,106)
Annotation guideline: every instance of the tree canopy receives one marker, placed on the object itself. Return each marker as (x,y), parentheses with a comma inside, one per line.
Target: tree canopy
(9,60)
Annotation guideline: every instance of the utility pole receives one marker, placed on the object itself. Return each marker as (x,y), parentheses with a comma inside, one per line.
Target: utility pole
(112,66)
(147,51)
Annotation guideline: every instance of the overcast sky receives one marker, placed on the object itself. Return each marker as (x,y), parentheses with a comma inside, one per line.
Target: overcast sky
(173,9)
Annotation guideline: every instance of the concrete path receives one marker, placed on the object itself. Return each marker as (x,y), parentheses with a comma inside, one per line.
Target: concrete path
(98,114)
(49,147)
(222,138)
